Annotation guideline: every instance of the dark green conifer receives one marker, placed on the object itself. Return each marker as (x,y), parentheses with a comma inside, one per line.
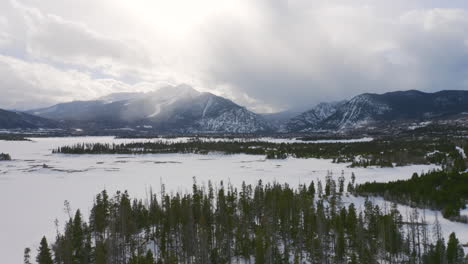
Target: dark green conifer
(44,256)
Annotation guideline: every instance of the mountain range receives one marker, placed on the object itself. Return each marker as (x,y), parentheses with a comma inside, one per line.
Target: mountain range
(182,109)
(368,111)
(179,109)
(19,120)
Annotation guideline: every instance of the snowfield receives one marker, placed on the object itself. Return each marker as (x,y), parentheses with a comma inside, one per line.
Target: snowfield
(35,184)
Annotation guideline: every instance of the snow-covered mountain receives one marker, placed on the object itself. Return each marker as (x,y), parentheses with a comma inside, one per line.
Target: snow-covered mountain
(279,119)
(170,109)
(18,120)
(311,119)
(182,109)
(376,110)
(398,108)
(356,113)
(114,97)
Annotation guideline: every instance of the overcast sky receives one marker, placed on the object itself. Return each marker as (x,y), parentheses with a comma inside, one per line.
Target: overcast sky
(268,55)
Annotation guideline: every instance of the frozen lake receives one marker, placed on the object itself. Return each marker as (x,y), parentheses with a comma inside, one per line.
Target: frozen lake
(32,196)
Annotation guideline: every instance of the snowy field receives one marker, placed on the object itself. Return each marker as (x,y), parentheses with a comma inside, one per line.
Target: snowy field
(32,195)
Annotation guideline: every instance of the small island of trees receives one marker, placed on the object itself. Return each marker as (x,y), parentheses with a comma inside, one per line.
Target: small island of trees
(5,156)
(441,190)
(380,153)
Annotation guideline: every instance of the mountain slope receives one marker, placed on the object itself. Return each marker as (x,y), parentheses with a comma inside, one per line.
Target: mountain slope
(376,110)
(181,109)
(279,120)
(310,120)
(403,106)
(18,120)
(178,109)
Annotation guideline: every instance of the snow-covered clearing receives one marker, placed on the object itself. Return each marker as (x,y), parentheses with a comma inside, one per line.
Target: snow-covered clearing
(461,151)
(32,195)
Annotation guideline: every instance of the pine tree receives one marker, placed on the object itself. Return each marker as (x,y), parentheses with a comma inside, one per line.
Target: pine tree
(100,253)
(319,188)
(341,181)
(44,256)
(452,249)
(311,189)
(439,254)
(328,184)
(27,256)
(149,258)
(77,238)
(259,246)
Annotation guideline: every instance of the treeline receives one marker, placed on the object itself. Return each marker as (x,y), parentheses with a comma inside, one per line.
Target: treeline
(373,161)
(269,223)
(5,156)
(12,137)
(383,153)
(442,190)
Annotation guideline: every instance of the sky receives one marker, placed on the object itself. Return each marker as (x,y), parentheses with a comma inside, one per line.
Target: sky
(268,55)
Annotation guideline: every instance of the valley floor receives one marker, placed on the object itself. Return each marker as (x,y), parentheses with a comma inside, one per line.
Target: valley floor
(35,184)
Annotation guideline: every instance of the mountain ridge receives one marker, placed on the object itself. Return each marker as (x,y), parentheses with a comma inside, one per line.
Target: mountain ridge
(19,120)
(182,109)
(371,109)
(177,109)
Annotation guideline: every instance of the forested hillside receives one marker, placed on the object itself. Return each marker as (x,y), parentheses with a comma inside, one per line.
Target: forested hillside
(442,190)
(269,223)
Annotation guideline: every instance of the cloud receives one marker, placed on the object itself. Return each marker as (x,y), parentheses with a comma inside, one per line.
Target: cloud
(27,85)
(435,45)
(267,55)
(4,36)
(63,41)
(309,54)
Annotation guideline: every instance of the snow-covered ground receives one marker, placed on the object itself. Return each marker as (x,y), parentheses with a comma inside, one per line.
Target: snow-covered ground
(32,195)
(461,151)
